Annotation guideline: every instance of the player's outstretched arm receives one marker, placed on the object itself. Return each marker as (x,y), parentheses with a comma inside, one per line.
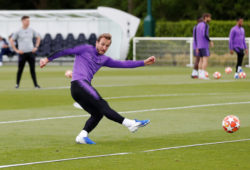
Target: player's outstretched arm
(128,63)
(63,52)
(43,62)
(149,60)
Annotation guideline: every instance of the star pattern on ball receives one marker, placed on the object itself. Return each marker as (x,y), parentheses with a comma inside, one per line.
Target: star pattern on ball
(231,123)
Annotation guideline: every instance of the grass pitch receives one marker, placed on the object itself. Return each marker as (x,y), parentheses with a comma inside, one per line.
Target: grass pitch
(183,115)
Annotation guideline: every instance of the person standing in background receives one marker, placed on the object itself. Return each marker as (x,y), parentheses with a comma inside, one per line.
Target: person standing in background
(26,49)
(203,43)
(237,43)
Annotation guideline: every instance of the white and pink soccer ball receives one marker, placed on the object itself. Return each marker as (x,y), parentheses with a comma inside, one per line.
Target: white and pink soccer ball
(228,70)
(217,75)
(242,75)
(206,74)
(68,73)
(231,123)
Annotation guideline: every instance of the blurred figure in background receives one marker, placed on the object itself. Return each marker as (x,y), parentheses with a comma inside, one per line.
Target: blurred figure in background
(4,49)
(10,47)
(237,43)
(26,49)
(203,43)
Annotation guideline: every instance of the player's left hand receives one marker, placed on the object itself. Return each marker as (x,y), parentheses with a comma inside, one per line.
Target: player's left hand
(150,60)
(34,50)
(246,51)
(68,73)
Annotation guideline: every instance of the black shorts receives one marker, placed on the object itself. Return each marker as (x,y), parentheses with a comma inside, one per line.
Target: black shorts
(91,101)
(84,94)
(203,52)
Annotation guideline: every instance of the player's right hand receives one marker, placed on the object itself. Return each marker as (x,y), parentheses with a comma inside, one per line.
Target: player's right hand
(197,51)
(231,51)
(211,44)
(43,62)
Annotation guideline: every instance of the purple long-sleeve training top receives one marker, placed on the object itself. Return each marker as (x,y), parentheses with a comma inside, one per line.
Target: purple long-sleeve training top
(237,38)
(202,35)
(88,61)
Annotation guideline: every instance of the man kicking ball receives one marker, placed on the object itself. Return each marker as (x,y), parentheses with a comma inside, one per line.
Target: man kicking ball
(88,60)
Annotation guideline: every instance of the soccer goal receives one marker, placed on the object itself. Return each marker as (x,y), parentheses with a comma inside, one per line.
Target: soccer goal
(178,51)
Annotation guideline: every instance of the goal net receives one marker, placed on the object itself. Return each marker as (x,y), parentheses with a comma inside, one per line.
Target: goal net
(178,51)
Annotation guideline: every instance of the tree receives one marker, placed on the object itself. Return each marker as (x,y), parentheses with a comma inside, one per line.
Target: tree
(172,10)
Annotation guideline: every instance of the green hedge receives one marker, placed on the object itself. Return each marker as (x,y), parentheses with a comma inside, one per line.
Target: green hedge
(185,28)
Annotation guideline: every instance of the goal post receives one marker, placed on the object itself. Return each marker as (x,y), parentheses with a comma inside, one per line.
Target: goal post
(178,51)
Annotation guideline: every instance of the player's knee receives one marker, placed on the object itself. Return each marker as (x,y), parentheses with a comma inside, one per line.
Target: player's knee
(98,117)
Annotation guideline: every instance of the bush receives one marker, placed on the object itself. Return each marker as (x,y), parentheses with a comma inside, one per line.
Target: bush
(185,28)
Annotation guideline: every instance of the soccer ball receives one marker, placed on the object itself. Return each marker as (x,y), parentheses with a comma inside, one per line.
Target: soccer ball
(217,75)
(231,123)
(228,70)
(242,75)
(206,74)
(68,73)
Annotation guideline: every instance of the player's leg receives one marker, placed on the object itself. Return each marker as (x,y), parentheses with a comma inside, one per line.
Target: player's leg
(240,56)
(204,63)
(200,67)
(87,101)
(21,64)
(102,107)
(32,64)
(204,67)
(111,114)
(90,124)
(90,97)
(196,65)
(205,53)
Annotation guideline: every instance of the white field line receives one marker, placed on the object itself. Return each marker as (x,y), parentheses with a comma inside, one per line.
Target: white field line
(126,85)
(133,111)
(61,160)
(169,95)
(202,144)
(45,118)
(187,107)
(118,154)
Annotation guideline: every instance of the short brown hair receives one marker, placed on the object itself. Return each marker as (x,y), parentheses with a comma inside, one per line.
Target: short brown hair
(105,35)
(239,18)
(24,17)
(205,15)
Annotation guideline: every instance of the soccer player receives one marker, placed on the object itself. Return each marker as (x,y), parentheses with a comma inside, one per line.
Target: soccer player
(195,52)
(26,49)
(88,60)
(237,43)
(203,42)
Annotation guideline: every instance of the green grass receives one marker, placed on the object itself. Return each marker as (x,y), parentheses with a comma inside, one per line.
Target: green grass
(54,139)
